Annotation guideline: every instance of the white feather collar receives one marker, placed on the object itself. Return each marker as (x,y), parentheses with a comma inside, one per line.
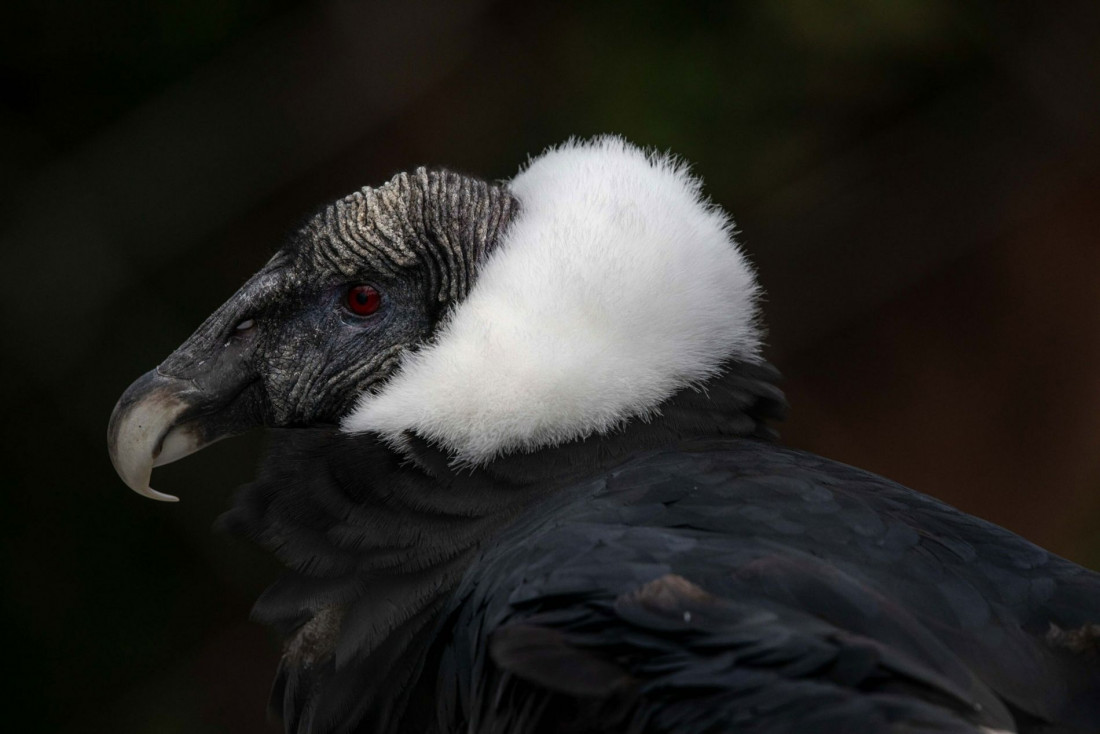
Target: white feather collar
(617,284)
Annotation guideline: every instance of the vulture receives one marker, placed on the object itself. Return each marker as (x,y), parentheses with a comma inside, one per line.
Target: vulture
(523,477)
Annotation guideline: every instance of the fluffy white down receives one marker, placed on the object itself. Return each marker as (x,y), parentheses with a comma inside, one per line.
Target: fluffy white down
(617,284)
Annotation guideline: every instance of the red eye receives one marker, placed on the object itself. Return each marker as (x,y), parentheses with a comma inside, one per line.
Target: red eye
(363,300)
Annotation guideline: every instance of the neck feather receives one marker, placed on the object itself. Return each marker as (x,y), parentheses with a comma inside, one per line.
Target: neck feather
(615,285)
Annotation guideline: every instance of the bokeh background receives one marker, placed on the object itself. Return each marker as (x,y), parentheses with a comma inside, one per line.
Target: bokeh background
(917,181)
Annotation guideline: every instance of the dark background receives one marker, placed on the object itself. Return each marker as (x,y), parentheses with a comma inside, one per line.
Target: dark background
(916,180)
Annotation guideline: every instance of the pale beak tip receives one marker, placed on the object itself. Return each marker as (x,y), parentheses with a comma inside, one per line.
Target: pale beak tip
(142,432)
(159,496)
(137,479)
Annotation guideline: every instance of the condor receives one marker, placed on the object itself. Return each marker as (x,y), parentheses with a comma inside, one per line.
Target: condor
(523,480)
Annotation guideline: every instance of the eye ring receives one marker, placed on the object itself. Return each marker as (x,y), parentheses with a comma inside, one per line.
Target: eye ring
(363,300)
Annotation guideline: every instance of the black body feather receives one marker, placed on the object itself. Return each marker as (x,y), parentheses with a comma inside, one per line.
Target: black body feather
(684,574)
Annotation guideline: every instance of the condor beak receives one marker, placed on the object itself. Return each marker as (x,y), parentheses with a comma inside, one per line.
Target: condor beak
(160,419)
(208,389)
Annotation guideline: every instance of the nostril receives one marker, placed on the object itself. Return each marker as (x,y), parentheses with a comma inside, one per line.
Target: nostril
(245,325)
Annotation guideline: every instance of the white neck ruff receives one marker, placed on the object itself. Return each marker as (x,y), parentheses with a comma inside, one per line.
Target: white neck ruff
(617,284)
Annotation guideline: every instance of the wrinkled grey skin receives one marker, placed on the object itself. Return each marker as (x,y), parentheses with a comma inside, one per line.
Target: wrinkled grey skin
(286,350)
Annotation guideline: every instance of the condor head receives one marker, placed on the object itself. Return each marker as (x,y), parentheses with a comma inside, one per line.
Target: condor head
(323,322)
(484,319)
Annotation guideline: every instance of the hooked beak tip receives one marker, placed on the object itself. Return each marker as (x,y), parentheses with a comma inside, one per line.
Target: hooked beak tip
(142,432)
(155,495)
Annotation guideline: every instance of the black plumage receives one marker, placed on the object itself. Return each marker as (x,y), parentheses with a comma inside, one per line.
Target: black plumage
(553,502)
(684,574)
